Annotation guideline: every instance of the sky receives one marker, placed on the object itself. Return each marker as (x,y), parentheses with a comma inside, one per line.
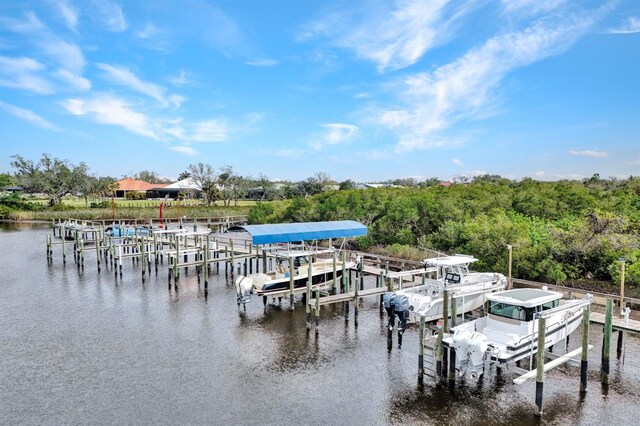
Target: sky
(361,90)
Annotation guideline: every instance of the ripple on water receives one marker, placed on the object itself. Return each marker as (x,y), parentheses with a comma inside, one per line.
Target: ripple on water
(80,347)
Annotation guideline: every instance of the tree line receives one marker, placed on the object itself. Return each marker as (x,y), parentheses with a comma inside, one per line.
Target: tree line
(57,178)
(566,230)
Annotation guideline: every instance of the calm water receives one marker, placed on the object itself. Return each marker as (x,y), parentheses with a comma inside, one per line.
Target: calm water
(82,348)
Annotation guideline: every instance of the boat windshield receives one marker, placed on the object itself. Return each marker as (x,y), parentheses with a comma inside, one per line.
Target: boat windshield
(520,313)
(299,261)
(453,271)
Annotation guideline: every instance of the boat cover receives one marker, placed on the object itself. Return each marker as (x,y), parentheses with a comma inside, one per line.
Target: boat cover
(305,231)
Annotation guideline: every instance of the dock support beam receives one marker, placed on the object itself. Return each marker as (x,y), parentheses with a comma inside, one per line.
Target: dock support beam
(585,348)
(542,326)
(308,298)
(445,311)
(606,342)
(510,282)
(421,350)
(335,272)
(291,304)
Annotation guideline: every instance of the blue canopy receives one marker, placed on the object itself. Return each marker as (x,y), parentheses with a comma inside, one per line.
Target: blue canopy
(306,231)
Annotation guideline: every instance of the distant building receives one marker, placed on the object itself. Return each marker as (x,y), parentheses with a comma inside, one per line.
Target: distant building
(134,185)
(185,186)
(445,183)
(11,188)
(376,185)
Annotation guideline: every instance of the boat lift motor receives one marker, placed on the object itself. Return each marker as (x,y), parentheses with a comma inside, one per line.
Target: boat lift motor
(396,305)
(244,289)
(402,312)
(389,303)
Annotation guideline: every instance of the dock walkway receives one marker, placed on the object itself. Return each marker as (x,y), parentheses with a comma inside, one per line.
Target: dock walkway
(631,326)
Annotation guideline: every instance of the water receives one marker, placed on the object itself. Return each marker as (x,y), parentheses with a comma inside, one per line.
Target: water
(84,348)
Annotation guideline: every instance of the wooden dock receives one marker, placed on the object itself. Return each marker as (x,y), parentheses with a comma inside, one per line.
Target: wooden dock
(631,326)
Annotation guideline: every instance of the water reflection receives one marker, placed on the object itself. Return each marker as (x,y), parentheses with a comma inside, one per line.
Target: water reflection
(87,347)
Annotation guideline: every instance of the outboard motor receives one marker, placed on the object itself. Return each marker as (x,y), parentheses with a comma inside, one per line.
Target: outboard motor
(402,309)
(396,305)
(389,303)
(244,289)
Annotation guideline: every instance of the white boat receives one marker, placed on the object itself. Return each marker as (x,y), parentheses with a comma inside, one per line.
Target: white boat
(279,280)
(509,331)
(452,274)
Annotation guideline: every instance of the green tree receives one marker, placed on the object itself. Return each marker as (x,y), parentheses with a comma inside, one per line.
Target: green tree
(6,180)
(347,184)
(205,177)
(51,176)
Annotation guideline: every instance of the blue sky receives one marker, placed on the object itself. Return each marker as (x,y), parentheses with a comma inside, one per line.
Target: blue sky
(367,90)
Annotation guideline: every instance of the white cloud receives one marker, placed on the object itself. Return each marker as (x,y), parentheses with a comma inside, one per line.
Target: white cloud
(68,13)
(148,31)
(23,73)
(30,25)
(340,132)
(431,102)
(393,36)
(336,133)
(376,154)
(108,109)
(262,62)
(27,115)
(180,79)
(105,108)
(176,100)
(184,149)
(531,7)
(112,16)
(290,153)
(124,76)
(539,173)
(630,25)
(68,55)
(208,131)
(571,176)
(589,153)
(74,81)
(457,162)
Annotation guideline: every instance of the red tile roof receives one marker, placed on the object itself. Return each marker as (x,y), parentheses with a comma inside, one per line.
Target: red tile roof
(137,185)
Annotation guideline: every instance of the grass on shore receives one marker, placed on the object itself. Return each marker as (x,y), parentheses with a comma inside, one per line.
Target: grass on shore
(128,213)
(79,202)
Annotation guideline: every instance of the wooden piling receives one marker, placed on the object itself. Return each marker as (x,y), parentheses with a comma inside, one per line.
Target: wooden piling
(63,235)
(542,326)
(344,272)
(206,264)
(335,272)
(584,359)
(510,282)
(309,284)
(142,254)
(317,311)
(619,344)
(97,252)
(233,262)
(445,311)
(421,349)
(606,342)
(454,311)
(439,353)
(175,260)
(291,274)
(622,267)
